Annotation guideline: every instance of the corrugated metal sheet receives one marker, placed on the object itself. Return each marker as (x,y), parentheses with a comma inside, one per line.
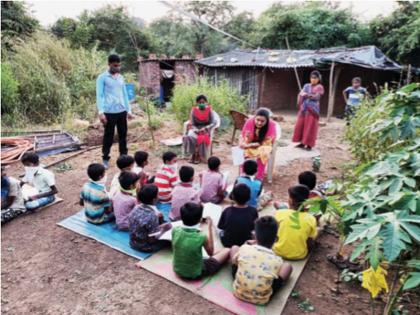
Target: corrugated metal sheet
(367,57)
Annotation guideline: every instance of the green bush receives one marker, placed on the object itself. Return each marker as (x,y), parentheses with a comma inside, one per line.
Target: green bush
(385,123)
(9,88)
(54,80)
(222,98)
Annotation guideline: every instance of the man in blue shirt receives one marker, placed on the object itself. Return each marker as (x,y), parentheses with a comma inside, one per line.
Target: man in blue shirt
(113,107)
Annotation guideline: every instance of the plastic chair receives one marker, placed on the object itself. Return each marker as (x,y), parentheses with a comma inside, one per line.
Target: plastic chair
(187,124)
(272,160)
(239,119)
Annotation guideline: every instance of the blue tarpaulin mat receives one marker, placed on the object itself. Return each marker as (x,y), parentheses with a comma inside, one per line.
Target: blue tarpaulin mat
(106,233)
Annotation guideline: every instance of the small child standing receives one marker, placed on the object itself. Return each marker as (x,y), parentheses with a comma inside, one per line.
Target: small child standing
(42,179)
(257,271)
(308,179)
(213,188)
(183,193)
(12,203)
(124,163)
(250,168)
(94,198)
(143,221)
(354,95)
(141,159)
(237,222)
(187,244)
(123,202)
(166,178)
(296,229)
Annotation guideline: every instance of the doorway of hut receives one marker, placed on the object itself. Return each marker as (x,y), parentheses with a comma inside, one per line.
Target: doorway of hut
(167,81)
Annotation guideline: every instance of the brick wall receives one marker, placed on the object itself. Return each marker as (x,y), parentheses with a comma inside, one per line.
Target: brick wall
(149,77)
(185,71)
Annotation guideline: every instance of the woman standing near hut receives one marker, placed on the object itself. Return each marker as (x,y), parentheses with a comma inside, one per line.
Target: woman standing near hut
(258,136)
(306,128)
(197,141)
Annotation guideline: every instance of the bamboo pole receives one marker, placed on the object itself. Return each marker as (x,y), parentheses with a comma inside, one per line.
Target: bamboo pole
(294,67)
(330,93)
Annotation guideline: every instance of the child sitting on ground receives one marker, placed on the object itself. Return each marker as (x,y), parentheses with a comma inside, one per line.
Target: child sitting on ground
(141,159)
(250,168)
(184,192)
(213,188)
(12,203)
(237,222)
(94,198)
(123,201)
(166,178)
(187,244)
(296,230)
(143,221)
(257,271)
(41,179)
(124,163)
(308,179)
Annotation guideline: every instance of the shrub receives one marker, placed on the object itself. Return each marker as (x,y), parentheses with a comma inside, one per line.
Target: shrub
(54,80)
(222,98)
(9,88)
(386,123)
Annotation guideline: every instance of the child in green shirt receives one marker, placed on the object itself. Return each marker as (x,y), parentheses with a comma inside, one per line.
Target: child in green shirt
(187,244)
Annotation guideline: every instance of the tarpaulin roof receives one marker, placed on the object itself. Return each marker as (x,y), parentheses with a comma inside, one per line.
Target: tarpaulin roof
(367,57)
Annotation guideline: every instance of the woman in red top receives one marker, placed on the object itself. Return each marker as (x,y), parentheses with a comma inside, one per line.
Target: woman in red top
(306,128)
(197,140)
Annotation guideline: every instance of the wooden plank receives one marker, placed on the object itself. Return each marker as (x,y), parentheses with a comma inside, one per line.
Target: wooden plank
(330,93)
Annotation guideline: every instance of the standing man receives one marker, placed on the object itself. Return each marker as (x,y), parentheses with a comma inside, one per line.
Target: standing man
(113,107)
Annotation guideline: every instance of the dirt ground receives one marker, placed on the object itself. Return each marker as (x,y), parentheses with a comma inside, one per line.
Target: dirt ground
(47,269)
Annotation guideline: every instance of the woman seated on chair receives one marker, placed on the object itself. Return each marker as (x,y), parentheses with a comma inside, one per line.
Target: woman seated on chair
(258,136)
(197,140)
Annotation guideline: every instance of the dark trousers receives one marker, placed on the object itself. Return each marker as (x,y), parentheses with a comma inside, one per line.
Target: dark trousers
(118,120)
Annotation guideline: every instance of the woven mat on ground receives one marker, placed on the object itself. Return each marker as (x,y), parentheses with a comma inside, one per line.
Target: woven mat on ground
(106,233)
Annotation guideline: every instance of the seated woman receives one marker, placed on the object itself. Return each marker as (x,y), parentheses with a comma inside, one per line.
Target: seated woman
(258,136)
(197,140)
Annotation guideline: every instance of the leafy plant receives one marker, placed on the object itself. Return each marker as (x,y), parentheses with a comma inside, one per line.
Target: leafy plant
(306,306)
(222,97)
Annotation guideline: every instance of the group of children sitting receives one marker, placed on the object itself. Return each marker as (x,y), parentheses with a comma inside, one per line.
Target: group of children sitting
(42,192)
(255,245)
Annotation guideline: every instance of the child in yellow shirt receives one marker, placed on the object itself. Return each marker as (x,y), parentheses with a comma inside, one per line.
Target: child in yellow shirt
(296,229)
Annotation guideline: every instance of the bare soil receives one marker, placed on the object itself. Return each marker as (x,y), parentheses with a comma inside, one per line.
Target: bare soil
(47,269)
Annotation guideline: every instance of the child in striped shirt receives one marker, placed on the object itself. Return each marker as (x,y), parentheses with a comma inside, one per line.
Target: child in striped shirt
(166,179)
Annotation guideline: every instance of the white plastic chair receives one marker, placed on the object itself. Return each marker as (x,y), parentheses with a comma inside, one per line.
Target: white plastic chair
(272,160)
(212,131)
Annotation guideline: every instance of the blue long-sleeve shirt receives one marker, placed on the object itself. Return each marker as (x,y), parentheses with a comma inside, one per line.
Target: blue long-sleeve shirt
(111,94)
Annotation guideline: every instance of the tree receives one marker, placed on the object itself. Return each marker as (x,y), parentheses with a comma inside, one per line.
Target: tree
(308,26)
(215,13)
(241,25)
(16,22)
(172,37)
(112,29)
(398,35)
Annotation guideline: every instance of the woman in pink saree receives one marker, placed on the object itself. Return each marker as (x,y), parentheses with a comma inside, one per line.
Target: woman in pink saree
(257,139)
(306,128)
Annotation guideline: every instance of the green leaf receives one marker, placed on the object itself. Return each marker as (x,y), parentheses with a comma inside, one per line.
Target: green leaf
(396,186)
(393,240)
(413,281)
(412,230)
(361,231)
(411,182)
(374,253)
(359,249)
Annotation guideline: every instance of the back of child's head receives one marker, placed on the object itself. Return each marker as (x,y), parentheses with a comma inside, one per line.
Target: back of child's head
(168,156)
(356,80)
(30,158)
(191,213)
(308,179)
(241,194)
(96,171)
(128,179)
(141,158)
(186,174)
(213,162)
(298,194)
(124,161)
(148,194)
(266,231)
(250,167)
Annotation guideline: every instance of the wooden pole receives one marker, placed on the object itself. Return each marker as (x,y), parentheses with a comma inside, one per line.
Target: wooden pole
(409,74)
(261,89)
(330,93)
(294,67)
